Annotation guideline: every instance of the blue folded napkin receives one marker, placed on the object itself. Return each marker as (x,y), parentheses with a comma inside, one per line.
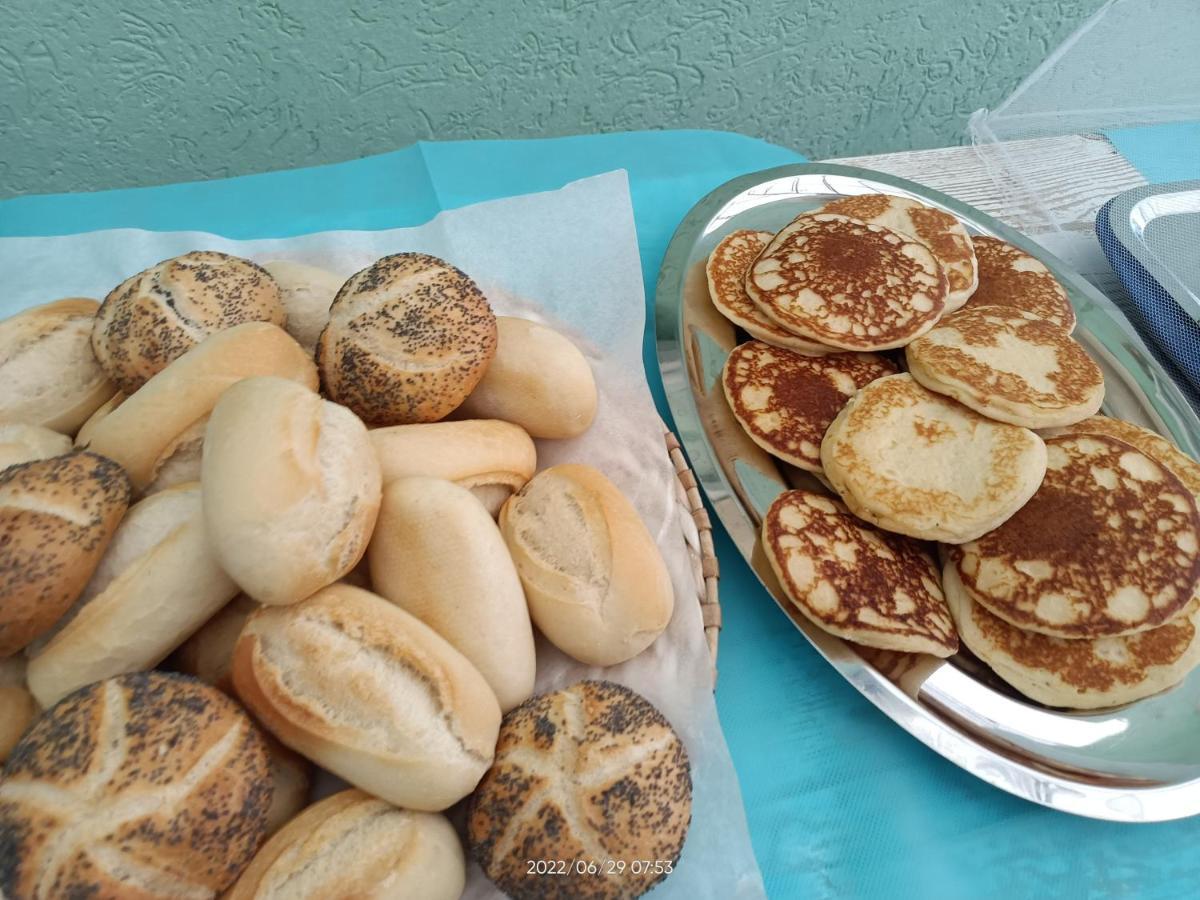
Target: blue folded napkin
(1170,333)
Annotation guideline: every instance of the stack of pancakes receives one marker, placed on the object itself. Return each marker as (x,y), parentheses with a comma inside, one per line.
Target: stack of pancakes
(1069,542)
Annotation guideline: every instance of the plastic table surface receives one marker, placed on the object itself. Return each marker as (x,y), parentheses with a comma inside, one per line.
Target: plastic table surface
(841,802)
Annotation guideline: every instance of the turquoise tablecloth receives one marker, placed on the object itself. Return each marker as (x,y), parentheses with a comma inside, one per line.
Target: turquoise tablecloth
(841,802)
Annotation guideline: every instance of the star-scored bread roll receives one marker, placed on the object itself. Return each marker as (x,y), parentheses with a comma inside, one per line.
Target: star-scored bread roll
(148,785)
(159,314)
(592,773)
(408,339)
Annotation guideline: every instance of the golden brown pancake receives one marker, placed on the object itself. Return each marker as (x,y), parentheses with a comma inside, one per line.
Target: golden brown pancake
(785,401)
(1107,546)
(1077,674)
(943,234)
(1009,276)
(848,284)
(920,464)
(726,269)
(1008,365)
(1153,445)
(854,581)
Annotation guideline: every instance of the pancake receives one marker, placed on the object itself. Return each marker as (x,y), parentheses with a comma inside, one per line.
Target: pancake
(1008,366)
(848,284)
(1080,674)
(920,464)
(943,234)
(865,585)
(1155,446)
(726,269)
(1011,277)
(785,401)
(1107,546)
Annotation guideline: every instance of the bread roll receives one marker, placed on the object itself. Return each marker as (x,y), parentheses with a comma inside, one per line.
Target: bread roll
(596,584)
(24,443)
(145,430)
(17,706)
(538,380)
(291,778)
(488,457)
(368,692)
(408,339)
(50,376)
(56,519)
(83,437)
(291,489)
(307,293)
(208,654)
(437,554)
(354,845)
(592,772)
(148,321)
(157,584)
(148,785)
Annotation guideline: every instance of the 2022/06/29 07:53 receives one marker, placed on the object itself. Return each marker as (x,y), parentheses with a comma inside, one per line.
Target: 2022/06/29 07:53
(601,868)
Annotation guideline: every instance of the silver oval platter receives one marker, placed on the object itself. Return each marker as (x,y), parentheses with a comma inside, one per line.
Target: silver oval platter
(1140,762)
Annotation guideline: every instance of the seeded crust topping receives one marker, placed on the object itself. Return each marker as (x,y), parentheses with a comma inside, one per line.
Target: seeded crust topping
(1107,546)
(592,773)
(785,401)
(848,284)
(408,339)
(855,581)
(156,316)
(56,518)
(1011,277)
(150,777)
(727,266)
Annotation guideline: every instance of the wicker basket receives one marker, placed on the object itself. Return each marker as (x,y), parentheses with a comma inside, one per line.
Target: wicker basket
(700,544)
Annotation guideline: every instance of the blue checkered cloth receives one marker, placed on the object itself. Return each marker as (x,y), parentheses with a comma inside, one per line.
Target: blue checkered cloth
(1170,333)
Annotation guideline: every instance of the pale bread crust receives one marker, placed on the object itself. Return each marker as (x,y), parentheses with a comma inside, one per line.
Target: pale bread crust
(148,607)
(307,293)
(291,489)
(354,845)
(154,317)
(24,443)
(538,380)
(139,431)
(17,706)
(917,463)
(1008,366)
(370,693)
(50,374)
(1077,674)
(595,581)
(437,554)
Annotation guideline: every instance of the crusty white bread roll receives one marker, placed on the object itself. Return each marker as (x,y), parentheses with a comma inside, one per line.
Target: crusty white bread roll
(538,380)
(49,373)
(148,785)
(370,693)
(157,583)
(307,292)
(291,489)
(437,554)
(488,457)
(56,518)
(144,430)
(24,443)
(154,317)
(291,778)
(208,654)
(591,772)
(354,845)
(84,436)
(595,581)
(408,339)
(17,706)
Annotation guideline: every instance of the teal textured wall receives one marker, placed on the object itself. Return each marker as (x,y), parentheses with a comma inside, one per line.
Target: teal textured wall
(104,93)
